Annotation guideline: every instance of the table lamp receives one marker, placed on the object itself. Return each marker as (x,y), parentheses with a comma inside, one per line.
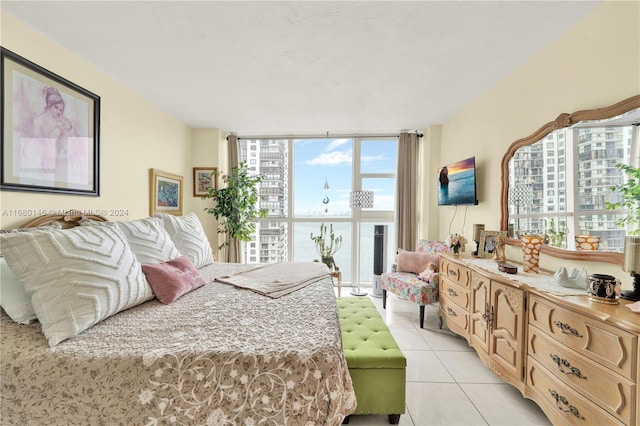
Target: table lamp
(477,233)
(632,264)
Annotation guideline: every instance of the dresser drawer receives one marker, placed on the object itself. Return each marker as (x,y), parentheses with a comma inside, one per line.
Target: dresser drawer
(457,319)
(607,345)
(562,404)
(456,294)
(456,273)
(609,390)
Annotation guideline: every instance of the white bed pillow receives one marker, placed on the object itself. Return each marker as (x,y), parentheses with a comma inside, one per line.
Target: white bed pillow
(76,277)
(13,297)
(189,237)
(149,240)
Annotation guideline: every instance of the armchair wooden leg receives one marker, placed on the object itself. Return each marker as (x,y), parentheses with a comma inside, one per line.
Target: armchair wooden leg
(421,316)
(384,299)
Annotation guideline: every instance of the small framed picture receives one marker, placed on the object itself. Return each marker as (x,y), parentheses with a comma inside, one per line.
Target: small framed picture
(203,179)
(165,193)
(487,247)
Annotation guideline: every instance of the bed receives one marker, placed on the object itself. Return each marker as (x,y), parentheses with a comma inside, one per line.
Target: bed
(218,355)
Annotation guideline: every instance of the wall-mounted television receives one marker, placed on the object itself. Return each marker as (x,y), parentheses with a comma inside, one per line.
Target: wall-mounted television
(457,183)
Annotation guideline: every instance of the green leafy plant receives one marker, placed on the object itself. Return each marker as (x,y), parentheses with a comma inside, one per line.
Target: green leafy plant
(326,248)
(236,204)
(555,234)
(630,194)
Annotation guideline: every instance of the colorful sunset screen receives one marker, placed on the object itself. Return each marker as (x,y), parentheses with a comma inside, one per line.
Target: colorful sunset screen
(457,183)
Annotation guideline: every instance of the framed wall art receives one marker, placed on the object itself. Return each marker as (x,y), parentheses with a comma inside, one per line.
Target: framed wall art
(487,247)
(165,193)
(50,131)
(203,179)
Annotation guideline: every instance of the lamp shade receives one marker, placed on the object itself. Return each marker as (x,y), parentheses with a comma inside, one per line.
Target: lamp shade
(521,195)
(631,254)
(361,199)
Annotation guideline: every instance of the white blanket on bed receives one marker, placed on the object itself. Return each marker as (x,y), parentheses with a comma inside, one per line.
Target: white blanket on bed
(277,279)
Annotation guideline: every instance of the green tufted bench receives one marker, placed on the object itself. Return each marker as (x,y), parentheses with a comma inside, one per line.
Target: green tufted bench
(376,364)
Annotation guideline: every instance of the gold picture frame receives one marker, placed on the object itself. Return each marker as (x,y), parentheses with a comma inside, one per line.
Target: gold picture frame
(165,193)
(203,179)
(487,247)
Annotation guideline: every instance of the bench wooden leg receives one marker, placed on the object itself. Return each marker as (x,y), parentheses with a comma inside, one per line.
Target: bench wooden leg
(394,419)
(421,316)
(345,421)
(384,299)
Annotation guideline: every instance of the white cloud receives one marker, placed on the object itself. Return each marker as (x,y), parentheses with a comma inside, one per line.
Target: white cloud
(337,143)
(373,158)
(331,158)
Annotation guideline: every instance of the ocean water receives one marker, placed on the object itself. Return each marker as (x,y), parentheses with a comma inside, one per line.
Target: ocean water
(304,248)
(460,190)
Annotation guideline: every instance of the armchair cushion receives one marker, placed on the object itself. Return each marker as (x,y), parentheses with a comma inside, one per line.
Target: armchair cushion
(414,261)
(408,286)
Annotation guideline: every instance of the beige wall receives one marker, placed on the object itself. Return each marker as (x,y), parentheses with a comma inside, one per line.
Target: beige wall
(134,137)
(208,150)
(595,64)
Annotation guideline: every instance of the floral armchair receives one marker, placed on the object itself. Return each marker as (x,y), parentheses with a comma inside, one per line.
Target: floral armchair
(404,280)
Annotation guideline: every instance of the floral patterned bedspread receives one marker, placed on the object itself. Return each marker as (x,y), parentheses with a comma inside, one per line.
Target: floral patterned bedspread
(219,355)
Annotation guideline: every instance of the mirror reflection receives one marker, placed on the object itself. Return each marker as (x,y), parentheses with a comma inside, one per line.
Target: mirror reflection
(556,183)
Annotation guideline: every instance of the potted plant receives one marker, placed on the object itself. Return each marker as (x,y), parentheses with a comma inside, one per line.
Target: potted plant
(555,235)
(236,205)
(630,193)
(327,248)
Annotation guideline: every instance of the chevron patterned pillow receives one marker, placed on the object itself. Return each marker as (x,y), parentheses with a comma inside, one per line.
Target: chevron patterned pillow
(189,237)
(149,240)
(76,277)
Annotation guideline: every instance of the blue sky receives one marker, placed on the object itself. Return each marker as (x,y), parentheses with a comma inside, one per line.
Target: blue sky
(317,161)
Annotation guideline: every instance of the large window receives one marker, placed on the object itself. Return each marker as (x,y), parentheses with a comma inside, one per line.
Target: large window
(307,183)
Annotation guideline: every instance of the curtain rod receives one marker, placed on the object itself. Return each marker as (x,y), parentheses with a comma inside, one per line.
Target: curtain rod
(336,136)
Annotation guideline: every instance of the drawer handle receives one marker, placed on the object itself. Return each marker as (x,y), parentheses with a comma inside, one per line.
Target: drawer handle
(451,312)
(561,399)
(566,329)
(452,292)
(563,363)
(452,273)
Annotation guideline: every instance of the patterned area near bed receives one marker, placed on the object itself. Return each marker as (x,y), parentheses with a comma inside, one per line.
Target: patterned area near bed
(219,355)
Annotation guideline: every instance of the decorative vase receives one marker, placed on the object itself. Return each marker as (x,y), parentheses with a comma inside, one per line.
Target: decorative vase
(531,253)
(456,250)
(587,242)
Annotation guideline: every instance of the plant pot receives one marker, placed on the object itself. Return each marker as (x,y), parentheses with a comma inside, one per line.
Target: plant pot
(328,260)
(587,242)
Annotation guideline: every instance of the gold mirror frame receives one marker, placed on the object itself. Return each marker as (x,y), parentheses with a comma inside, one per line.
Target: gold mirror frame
(563,120)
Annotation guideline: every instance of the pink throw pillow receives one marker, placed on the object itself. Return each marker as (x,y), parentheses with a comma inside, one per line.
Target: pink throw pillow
(172,279)
(416,262)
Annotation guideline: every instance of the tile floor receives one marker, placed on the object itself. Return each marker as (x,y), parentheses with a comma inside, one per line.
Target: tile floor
(447,384)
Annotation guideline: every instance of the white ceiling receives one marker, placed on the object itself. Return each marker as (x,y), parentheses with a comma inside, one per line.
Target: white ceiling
(305,67)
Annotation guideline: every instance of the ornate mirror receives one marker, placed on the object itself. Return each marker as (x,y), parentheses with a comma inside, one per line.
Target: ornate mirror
(556,182)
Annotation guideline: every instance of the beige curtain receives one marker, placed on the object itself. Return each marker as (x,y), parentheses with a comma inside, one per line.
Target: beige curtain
(234,250)
(407,192)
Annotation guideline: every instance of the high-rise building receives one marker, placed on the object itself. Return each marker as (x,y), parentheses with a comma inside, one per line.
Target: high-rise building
(269,157)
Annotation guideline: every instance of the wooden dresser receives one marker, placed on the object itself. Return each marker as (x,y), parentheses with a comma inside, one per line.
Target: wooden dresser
(578,360)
